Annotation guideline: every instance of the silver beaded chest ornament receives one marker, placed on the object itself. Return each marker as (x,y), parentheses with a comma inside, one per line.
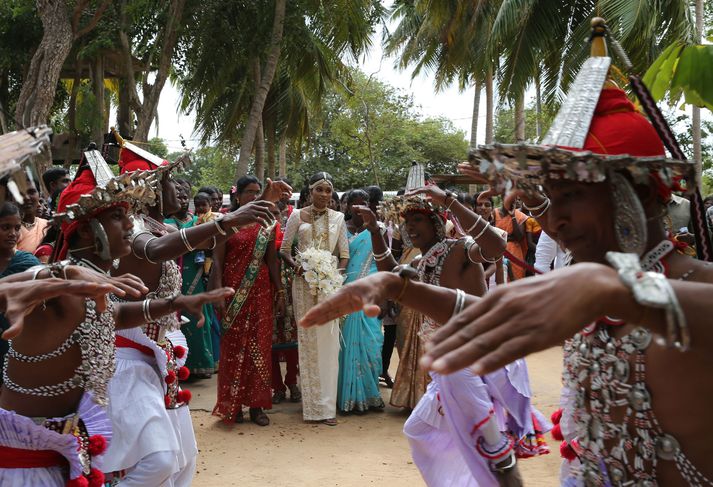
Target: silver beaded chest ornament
(619,439)
(95,338)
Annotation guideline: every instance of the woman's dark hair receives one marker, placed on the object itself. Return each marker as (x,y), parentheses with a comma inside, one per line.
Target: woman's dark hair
(9,208)
(320,175)
(304,196)
(357,193)
(206,189)
(216,189)
(335,198)
(490,198)
(240,186)
(375,193)
(201,197)
(469,200)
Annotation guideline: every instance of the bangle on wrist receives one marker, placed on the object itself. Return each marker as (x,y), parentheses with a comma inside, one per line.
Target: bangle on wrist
(460,302)
(539,210)
(147,312)
(218,226)
(184,238)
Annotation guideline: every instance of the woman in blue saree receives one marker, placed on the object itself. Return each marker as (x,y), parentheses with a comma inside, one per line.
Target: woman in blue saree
(362,338)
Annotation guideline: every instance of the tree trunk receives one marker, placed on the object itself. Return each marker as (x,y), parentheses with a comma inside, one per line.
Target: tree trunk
(38,87)
(476,110)
(520,118)
(123,113)
(260,152)
(270,151)
(98,88)
(696,111)
(538,107)
(72,114)
(258,103)
(489,107)
(283,156)
(146,109)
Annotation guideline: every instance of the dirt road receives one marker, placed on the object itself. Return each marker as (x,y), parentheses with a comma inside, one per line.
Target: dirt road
(362,450)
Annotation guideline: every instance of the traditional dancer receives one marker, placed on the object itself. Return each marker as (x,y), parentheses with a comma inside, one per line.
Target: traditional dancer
(316,226)
(629,373)
(155,447)
(76,355)
(459,411)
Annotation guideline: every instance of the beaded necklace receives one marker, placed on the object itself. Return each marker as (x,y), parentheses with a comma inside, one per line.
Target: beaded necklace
(619,438)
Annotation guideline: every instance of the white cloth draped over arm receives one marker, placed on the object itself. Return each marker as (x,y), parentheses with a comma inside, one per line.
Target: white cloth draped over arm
(342,241)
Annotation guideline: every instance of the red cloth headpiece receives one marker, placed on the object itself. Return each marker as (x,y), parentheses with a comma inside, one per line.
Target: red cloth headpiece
(84,183)
(133,158)
(617,128)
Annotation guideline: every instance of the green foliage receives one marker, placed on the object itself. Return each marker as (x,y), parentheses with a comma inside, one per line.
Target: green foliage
(212,166)
(227,40)
(683,69)
(373,134)
(20,34)
(157,146)
(504,127)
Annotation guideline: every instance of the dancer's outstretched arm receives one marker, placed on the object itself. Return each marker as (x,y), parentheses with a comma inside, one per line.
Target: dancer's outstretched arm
(536,313)
(366,294)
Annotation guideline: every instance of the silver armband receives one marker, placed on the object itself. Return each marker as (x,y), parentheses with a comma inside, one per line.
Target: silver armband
(653,290)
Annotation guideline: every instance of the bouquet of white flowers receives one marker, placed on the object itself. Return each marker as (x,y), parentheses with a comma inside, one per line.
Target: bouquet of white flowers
(320,271)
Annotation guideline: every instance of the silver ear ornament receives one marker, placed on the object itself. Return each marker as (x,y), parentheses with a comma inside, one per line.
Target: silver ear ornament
(629,216)
(101,240)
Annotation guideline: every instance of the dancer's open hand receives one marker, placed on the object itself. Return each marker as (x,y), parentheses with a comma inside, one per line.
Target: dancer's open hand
(521,318)
(365,294)
(193,304)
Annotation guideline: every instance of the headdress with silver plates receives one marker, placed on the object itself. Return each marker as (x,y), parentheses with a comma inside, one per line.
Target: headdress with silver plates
(96,189)
(561,155)
(394,209)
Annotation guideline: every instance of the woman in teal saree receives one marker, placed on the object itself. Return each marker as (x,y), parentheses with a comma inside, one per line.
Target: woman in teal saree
(200,343)
(362,338)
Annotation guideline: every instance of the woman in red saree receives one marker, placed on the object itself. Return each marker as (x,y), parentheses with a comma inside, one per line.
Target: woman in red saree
(248,261)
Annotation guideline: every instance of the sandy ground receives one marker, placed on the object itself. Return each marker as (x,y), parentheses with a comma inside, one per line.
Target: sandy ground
(362,450)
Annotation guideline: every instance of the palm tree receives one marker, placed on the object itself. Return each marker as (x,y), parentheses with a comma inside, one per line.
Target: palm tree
(450,39)
(230,38)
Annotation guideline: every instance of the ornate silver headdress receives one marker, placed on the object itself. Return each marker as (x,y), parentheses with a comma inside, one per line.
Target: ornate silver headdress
(137,189)
(561,154)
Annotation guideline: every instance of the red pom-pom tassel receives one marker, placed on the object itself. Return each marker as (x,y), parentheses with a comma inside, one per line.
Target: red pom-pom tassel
(567,451)
(179,351)
(170,377)
(556,416)
(167,400)
(97,445)
(183,373)
(80,481)
(184,396)
(557,432)
(96,478)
